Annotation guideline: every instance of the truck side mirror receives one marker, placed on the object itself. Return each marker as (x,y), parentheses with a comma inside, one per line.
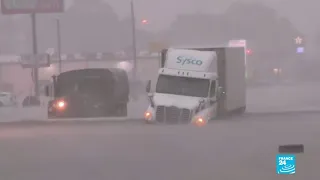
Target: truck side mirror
(54,79)
(150,97)
(47,91)
(201,101)
(220,92)
(148,87)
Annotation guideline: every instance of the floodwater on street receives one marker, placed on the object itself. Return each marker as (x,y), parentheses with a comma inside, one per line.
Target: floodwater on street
(239,148)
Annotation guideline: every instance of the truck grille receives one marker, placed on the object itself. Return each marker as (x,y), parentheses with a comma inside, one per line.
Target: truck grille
(172,115)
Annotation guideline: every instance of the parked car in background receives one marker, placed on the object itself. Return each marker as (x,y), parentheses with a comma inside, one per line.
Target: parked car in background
(7,99)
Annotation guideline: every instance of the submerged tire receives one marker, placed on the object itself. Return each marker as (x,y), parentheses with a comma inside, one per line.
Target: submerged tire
(242,110)
(122,110)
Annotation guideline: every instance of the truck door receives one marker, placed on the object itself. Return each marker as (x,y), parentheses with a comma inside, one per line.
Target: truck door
(51,90)
(212,105)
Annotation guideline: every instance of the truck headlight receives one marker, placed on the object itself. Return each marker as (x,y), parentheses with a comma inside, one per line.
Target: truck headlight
(199,121)
(148,116)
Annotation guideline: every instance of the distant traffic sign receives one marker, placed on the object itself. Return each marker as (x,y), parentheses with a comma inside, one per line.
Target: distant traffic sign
(237,43)
(31,6)
(300,50)
(35,61)
(298,40)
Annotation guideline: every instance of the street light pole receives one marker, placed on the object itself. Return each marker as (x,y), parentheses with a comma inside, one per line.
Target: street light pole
(59,44)
(35,70)
(134,48)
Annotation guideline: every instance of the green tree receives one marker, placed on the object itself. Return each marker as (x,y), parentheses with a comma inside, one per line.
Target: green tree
(317,38)
(261,25)
(270,34)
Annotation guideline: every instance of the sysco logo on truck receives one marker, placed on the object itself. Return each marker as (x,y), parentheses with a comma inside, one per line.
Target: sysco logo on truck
(188,60)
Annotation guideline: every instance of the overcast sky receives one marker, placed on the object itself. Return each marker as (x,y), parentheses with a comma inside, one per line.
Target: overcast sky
(161,13)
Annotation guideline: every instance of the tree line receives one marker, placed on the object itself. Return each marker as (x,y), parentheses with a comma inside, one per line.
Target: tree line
(266,32)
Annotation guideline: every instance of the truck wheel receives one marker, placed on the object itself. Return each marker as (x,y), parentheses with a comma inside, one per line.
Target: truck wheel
(147,122)
(124,110)
(50,116)
(242,110)
(121,110)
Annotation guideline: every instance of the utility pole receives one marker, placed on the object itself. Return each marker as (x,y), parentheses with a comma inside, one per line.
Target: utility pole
(35,70)
(134,45)
(59,44)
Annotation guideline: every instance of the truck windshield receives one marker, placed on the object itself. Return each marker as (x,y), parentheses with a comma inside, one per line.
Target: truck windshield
(183,86)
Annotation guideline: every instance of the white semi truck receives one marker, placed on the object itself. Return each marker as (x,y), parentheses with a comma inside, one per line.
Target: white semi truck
(197,85)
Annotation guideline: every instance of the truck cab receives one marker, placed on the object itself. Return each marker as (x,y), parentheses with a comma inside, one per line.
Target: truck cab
(187,88)
(191,86)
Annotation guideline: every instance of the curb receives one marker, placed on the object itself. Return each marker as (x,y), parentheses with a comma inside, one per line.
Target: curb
(286,112)
(86,121)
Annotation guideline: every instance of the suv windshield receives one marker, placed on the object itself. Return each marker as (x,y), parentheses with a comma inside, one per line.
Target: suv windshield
(87,85)
(183,86)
